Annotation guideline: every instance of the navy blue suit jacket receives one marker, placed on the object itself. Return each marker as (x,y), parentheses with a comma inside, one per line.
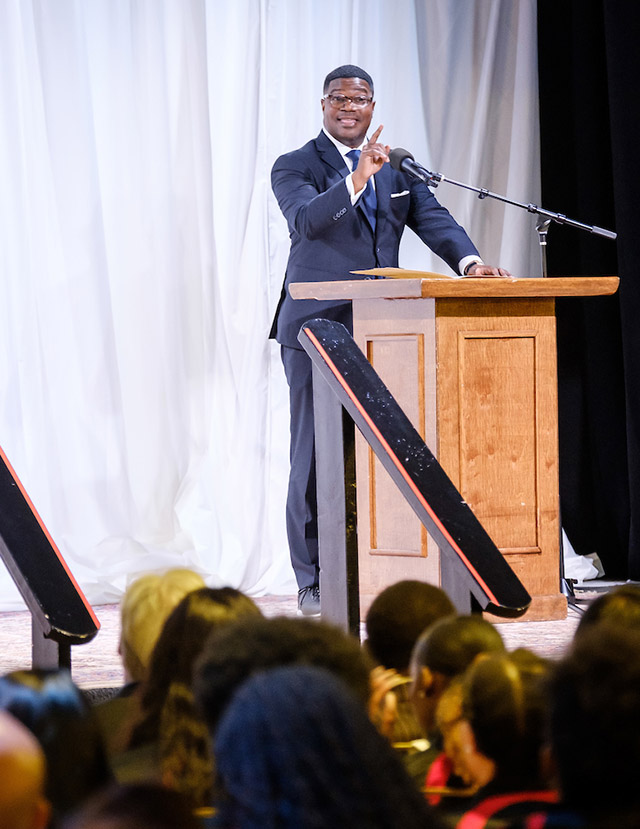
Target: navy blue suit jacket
(331,237)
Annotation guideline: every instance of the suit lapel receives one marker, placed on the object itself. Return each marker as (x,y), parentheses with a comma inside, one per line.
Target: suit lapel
(330,154)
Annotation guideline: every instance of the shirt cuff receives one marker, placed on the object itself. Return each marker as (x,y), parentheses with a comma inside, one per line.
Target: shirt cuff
(466,261)
(353,195)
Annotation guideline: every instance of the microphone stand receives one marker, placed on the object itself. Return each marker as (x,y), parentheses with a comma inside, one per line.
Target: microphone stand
(547,216)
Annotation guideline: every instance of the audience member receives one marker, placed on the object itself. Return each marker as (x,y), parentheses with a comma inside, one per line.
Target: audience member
(250,645)
(144,608)
(445,650)
(135,806)
(501,735)
(595,725)
(295,749)
(620,606)
(23,804)
(447,775)
(397,617)
(54,710)
(395,620)
(170,742)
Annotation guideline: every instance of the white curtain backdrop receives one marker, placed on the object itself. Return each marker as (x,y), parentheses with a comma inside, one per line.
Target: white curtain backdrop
(142,252)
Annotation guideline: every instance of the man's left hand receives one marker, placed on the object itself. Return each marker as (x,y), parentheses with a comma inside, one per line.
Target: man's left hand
(486,270)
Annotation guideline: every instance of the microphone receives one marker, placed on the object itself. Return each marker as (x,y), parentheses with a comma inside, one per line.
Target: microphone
(403,161)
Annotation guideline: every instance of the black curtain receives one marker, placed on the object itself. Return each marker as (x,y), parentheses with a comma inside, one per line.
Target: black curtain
(589,75)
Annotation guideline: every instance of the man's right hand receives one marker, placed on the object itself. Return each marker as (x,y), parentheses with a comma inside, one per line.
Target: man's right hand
(372,158)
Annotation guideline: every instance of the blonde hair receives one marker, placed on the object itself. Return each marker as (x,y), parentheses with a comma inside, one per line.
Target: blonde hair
(144,609)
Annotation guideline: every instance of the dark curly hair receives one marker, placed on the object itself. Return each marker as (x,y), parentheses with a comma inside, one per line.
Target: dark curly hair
(250,645)
(169,717)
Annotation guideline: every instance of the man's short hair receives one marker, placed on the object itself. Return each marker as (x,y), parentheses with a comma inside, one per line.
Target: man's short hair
(397,617)
(347,71)
(450,645)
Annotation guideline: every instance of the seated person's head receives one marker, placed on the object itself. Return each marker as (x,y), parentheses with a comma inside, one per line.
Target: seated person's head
(169,718)
(199,614)
(54,710)
(248,646)
(23,804)
(397,617)
(443,651)
(504,708)
(294,746)
(595,723)
(143,611)
(135,806)
(620,606)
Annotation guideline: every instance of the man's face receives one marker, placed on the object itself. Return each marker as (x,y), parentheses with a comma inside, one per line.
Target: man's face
(348,123)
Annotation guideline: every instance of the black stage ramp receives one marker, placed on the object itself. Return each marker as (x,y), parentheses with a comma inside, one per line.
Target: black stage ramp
(473,571)
(61,616)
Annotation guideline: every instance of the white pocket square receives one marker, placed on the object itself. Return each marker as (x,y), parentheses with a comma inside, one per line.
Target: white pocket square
(397,195)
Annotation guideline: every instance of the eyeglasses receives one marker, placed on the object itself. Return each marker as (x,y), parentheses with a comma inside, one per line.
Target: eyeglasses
(338,101)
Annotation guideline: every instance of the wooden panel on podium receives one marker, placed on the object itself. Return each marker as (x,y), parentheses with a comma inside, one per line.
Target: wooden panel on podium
(473,364)
(402,350)
(497,431)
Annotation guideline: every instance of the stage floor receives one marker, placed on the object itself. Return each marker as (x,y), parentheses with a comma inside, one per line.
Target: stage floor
(97,664)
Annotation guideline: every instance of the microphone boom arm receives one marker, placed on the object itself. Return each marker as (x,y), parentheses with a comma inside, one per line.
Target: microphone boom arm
(434,180)
(403,161)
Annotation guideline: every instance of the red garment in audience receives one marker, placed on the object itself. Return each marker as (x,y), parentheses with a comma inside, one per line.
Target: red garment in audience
(479,816)
(438,777)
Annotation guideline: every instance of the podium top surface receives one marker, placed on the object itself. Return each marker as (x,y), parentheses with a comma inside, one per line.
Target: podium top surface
(398,283)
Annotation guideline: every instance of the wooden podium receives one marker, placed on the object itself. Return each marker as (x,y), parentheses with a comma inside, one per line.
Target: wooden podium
(472,362)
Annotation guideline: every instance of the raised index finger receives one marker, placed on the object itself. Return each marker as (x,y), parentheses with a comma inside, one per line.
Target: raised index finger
(376,134)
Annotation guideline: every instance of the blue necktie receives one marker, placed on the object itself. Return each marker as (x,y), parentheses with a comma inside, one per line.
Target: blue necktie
(368,200)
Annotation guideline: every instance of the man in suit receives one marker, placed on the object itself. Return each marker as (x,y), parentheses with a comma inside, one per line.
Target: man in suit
(346,211)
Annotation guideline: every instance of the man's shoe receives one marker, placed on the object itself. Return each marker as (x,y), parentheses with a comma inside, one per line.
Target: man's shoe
(309,601)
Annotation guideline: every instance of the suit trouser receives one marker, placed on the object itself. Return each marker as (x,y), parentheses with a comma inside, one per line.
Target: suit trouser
(301,512)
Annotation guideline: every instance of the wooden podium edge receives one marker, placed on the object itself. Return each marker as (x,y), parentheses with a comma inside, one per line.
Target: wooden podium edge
(419,285)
